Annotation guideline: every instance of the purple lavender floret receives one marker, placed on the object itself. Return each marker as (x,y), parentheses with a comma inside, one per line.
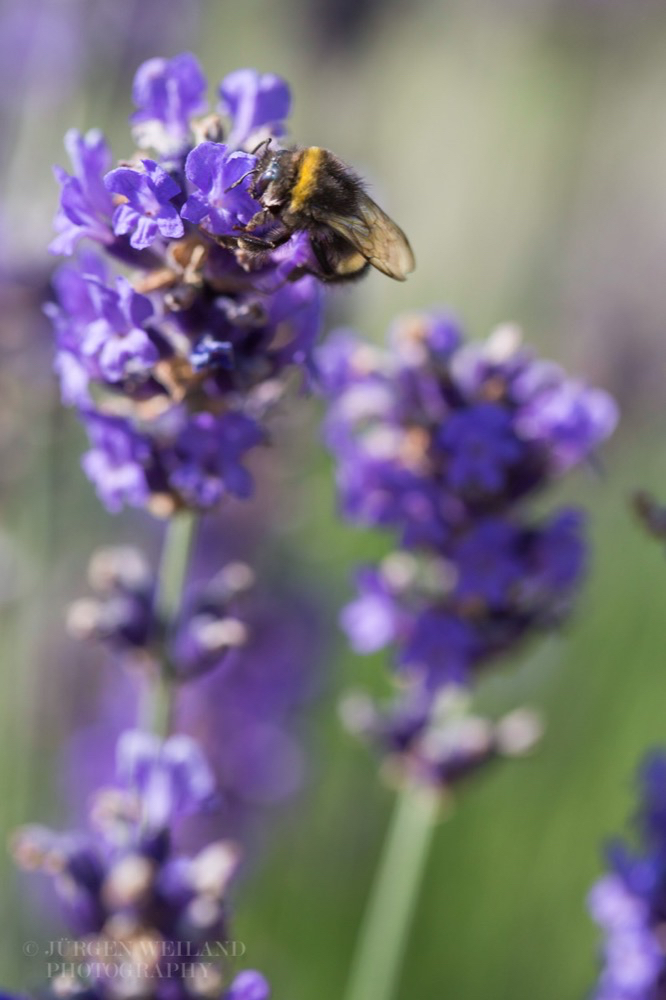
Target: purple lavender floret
(451,612)
(440,648)
(206,459)
(172,779)
(215,204)
(123,616)
(248,985)
(177,365)
(489,562)
(372,621)
(628,903)
(117,461)
(117,338)
(438,743)
(564,414)
(184,461)
(121,613)
(479,448)
(254,101)
(85,204)
(146,210)
(99,328)
(167,93)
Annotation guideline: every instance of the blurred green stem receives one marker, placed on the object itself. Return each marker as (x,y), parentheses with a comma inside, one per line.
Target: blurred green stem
(177,547)
(384,931)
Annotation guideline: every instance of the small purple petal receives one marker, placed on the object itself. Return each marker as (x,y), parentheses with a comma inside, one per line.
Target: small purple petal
(253,101)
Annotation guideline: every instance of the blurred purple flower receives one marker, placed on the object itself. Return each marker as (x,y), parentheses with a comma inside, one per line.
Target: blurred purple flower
(171,779)
(628,903)
(254,101)
(250,649)
(167,93)
(480,444)
(489,564)
(248,985)
(439,743)
(207,458)
(445,441)
(566,416)
(440,648)
(184,461)
(125,883)
(370,621)
(115,464)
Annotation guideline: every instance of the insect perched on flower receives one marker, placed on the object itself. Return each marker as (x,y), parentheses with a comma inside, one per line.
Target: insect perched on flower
(312,190)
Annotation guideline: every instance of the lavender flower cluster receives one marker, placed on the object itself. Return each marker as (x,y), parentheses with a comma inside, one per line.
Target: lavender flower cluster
(151,921)
(438,744)
(171,342)
(250,648)
(445,442)
(629,902)
(123,614)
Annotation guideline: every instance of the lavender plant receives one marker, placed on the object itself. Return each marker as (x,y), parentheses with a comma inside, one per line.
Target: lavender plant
(174,349)
(448,443)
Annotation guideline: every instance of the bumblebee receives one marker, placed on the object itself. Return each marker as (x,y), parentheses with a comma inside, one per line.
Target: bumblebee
(311,189)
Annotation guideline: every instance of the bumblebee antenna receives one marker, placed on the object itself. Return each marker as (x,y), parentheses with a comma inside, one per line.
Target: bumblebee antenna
(264,142)
(240,180)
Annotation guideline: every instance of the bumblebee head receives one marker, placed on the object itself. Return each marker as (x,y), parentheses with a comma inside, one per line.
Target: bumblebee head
(271,182)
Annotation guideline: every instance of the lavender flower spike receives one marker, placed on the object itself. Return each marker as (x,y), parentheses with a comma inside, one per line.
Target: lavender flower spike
(444,442)
(125,882)
(186,354)
(628,903)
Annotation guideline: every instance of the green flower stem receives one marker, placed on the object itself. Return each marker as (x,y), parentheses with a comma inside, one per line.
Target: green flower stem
(178,540)
(385,927)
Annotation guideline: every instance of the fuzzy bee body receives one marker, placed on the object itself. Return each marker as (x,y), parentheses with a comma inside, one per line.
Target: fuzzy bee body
(312,190)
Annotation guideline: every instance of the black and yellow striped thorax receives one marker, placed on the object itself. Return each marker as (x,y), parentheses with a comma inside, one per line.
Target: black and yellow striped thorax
(308,172)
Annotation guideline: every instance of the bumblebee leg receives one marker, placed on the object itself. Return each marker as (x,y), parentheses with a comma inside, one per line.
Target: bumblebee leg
(250,242)
(260,218)
(326,272)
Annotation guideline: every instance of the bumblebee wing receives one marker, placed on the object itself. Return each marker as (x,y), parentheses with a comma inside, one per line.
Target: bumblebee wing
(376,237)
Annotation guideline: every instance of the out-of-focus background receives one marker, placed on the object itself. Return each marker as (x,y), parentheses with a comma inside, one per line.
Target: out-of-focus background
(522,145)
